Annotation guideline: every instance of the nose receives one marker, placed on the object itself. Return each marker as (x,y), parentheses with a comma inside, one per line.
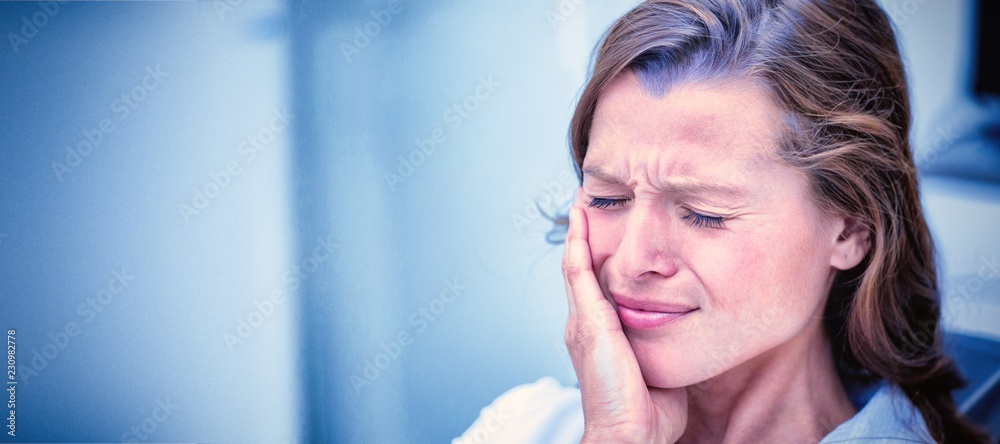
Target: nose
(646,249)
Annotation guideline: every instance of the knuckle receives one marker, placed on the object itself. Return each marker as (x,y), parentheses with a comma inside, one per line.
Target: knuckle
(580,335)
(567,262)
(585,339)
(572,271)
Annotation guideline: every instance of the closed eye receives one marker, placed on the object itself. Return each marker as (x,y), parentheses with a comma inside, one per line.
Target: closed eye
(703,220)
(605,202)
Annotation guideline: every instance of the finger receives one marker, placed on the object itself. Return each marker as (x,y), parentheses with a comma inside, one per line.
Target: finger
(576,204)
(573,222)
(578,271)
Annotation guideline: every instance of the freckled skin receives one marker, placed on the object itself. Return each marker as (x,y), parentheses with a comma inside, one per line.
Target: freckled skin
(759,282)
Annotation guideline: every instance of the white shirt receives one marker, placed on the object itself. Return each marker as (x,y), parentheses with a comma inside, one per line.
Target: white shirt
(545,412)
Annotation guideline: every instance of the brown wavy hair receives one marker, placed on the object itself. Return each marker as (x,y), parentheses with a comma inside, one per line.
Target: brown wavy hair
(834,68)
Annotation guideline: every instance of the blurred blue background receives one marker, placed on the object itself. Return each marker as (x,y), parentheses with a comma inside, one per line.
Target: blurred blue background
(285,221)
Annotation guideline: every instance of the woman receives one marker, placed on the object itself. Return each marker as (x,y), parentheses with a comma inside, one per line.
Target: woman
(746,259)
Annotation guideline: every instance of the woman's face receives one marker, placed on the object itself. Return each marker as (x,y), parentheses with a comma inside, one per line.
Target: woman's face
(707,244)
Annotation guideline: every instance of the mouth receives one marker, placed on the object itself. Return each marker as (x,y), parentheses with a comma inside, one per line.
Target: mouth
(642,315)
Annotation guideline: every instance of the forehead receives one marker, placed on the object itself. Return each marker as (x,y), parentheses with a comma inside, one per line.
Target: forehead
(691,127)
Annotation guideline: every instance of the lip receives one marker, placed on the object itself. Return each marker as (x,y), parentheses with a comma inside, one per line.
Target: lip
(648,315)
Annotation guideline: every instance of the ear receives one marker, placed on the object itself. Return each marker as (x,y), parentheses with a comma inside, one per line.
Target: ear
(851,245)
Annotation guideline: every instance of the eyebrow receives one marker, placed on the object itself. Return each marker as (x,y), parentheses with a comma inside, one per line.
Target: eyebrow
(677,185)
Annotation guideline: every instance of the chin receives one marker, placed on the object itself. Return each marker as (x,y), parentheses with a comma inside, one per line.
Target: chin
(670,366)
(661,375)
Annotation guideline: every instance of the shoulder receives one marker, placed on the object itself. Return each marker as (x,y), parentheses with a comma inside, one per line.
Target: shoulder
(540,412)
(887,417)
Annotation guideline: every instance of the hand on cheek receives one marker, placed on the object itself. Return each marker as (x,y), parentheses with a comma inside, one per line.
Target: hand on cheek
(617,404)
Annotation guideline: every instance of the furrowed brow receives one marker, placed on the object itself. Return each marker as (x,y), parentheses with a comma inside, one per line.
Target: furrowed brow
(686,186)
(603,176)
(694,187)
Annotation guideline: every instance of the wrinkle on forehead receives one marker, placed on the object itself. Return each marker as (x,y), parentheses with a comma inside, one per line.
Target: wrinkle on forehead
(720,127)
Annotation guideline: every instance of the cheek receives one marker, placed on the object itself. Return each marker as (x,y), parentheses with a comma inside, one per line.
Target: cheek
(730,270)
(770,283)
(795,264)
(605,235)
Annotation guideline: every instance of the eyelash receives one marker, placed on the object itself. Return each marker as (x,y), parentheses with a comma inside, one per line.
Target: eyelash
(702,220)
(696,219)
(605,202)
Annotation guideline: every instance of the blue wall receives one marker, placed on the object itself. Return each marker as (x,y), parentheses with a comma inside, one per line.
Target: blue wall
(177,88)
